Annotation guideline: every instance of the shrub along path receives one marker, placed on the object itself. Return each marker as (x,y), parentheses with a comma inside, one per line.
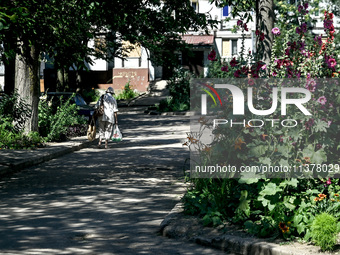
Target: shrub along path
(97,201)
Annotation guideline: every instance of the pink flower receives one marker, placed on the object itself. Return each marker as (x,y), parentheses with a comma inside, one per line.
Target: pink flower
(331,63)
(322,100)
(251,82)
(212,56)
(224,68)
(276,31)
(329,182)
(233,62)
(311,85)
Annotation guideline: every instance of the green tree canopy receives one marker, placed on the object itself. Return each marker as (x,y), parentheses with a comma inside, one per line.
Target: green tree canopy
(63,28)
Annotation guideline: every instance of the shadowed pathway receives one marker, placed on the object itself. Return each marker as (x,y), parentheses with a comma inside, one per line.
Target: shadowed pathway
(97,201)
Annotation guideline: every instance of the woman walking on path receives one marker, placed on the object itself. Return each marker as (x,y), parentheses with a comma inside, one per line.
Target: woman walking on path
(109,118)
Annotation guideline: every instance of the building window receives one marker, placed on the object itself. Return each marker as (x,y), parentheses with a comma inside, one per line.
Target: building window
(226,48)
(234,47)
(225,11)
(194,4)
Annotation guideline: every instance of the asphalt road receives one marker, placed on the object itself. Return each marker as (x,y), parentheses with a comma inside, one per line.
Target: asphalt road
(97,201)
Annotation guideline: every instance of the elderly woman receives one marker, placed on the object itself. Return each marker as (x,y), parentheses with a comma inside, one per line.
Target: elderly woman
(109,118)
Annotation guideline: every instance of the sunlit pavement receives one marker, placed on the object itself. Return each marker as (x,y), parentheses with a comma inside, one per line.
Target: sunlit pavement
(101,201)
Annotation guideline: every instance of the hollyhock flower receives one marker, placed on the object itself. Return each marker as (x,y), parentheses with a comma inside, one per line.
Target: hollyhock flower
(257,32)
(331,62)
(264,67)
(251,82)
(302,46)
(239,23)
(305,5)
(233,62)
(304,28)
(237,74)
(212,56)
(224,68)
(262,36)
(327,24)
(318,39)
(309,124)
(287,51)
(276,31)
(244,70)
(311,85)
(322,100)
(300,8)
(245,27)
(298,30)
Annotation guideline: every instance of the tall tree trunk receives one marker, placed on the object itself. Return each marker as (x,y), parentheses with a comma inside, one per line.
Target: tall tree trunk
(265,24)
(27,83)
(62,80)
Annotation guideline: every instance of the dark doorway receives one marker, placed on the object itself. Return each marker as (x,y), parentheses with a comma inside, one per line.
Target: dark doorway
(194,62)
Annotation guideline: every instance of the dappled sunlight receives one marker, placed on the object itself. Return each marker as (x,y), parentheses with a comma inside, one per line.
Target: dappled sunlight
(97,201)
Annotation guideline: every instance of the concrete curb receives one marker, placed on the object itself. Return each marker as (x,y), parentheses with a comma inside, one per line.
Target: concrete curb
(50,152)
(172,228)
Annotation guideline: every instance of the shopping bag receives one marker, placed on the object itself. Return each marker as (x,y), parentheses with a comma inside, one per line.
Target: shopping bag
(117,135)
(91,131)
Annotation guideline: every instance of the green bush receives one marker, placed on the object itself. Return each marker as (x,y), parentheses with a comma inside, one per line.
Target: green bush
(91,95)
(15,109)
(55,125)
(179,89)
(14,112)
(12,139)
(324,231)
(127,93)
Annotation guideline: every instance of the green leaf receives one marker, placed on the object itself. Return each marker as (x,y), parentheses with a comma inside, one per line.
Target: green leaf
(289,205)
(317,157)
(248,180)
(270,189)
(320,126)
(292,182)
(300,228)
(258,151)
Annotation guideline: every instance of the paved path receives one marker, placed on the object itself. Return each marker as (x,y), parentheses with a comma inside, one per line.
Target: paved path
(97,201)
